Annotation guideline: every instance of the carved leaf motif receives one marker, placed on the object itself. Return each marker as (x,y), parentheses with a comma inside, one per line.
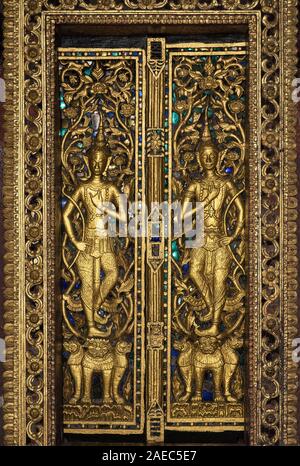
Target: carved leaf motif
(127,390)
(190,320)
(237,384)
(180,286)
(68,386)
(127,285)
(177,386)
(177,187)
(227,127)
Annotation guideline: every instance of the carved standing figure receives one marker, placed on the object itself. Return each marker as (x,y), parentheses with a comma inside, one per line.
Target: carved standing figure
(210,263)
(99,199)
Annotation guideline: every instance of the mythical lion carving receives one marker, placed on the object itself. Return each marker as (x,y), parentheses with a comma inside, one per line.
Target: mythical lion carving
(208,353)
(98,356)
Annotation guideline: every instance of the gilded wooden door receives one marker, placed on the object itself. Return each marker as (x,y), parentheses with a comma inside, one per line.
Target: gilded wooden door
(150,216)
(154,306)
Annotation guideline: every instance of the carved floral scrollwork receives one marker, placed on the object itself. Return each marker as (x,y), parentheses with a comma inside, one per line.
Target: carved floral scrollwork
(270,431)
(90,5)
(98,100)
(209,121)
(146,4)
(93,5)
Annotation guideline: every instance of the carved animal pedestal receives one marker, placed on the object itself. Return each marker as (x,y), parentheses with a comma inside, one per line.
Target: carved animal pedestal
(97,356)
(208,356)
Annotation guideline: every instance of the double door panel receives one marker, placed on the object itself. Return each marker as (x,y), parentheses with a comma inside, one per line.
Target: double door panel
(154,312)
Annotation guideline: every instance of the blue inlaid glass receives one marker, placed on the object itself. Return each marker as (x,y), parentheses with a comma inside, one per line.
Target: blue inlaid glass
(207,396)
(63,284)
(72,247)
(63,202)
(174,246)
(185,268)
(228,170)
(71,319)
(88,71)
(174,356)
(175,118)
(210,112)
(176,255)
(214,59)
(63,131)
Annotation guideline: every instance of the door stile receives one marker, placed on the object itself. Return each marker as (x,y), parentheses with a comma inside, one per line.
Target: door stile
(155,241)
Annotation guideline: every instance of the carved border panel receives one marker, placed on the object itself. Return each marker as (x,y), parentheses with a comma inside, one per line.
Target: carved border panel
(30,414)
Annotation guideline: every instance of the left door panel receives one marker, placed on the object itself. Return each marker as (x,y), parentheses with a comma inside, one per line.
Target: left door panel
(101,95)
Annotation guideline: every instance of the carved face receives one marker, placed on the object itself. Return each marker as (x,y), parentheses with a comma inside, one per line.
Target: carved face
(71,346)
(236,342)
(208,158)
(123,347)
(182,345)
(98,161)
(99,348)
(208,345)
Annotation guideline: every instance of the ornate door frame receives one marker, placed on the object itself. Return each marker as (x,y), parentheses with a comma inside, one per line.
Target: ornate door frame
(31,396)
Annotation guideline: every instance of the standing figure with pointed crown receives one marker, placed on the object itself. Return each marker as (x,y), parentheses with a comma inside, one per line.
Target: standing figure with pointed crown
(96,263)
(210,263)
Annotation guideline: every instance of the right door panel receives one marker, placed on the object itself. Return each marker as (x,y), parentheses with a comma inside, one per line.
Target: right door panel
(206,281)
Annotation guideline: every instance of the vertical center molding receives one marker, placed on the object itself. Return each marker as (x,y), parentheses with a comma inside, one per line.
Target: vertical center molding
(155,153)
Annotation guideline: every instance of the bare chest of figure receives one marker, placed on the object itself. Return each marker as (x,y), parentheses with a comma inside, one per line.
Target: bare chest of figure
(213,209)
(95,198)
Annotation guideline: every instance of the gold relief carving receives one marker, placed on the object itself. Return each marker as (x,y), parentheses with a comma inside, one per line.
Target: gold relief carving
(209,280)
(155,335)
(29,418)
(209,411)
(155,142)
(146,4)
(207,354)
(99,356)
(99,100)
(91,5)
(156,56)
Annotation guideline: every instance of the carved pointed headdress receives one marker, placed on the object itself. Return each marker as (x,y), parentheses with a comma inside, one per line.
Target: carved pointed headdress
(100,143)
(206,139)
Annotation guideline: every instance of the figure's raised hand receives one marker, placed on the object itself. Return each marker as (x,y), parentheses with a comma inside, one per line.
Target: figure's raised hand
(225,240)
(214,191)
(80,245)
